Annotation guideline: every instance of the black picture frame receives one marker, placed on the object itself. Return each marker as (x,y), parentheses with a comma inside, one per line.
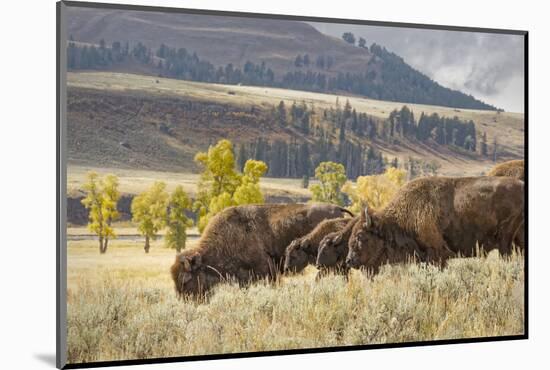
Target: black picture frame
(61,193)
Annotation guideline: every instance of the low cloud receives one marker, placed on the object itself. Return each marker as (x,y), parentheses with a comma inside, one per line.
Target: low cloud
(487,66)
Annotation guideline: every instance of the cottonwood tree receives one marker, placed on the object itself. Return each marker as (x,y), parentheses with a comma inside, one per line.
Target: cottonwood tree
(374,190)
(221,185)
(218,176)
(248,192)
(178,222)
(331,177)
(101,200)
(149,212)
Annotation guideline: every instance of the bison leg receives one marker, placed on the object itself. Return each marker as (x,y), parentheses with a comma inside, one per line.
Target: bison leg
(519,238)
(321,273)
(337,270)
(510,231)
(437,249)
(271,268)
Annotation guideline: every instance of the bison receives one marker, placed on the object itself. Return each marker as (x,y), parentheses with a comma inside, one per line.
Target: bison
(435,218)
(513,169)
(245,243)
(303,251)
(333,249)
(516,170)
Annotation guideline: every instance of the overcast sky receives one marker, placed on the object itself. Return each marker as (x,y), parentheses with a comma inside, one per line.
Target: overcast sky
(488,66)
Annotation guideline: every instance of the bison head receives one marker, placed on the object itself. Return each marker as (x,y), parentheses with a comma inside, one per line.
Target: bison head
(190,275)
(367,248)
(298,254)
(332,250)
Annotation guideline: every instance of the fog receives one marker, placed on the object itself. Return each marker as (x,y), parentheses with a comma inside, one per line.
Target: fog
(488,66)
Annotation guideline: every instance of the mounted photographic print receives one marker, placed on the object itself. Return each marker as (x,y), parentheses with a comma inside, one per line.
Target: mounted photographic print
(238,184)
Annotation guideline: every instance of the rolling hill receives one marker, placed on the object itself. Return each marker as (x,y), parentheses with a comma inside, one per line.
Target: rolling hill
(219,42)
(143,122)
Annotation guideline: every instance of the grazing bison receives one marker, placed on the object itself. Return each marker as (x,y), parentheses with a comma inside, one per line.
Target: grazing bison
(303,251)
(246,242)
(516,170)
(333,249)
(436,218)
(513,169)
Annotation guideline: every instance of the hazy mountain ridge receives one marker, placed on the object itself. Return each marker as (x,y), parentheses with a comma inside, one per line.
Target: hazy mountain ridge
(374,73)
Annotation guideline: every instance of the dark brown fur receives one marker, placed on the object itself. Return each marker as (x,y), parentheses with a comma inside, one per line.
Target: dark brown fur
(333,249)
(245,243)
(303,251)
(435,218)
(515,169)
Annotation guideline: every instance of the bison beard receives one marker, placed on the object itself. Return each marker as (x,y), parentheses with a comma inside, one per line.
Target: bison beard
(433,219)
(245,243)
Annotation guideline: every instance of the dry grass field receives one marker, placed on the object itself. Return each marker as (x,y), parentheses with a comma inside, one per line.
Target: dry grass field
(122,305)
(133,181)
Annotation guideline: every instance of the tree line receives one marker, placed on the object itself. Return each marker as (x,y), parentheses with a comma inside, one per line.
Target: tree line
(396,81)
(336,141)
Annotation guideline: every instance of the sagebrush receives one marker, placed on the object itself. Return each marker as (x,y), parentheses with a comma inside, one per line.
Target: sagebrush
(124,307)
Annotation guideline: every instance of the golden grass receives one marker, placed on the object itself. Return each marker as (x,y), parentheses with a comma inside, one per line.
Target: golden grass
(122,305)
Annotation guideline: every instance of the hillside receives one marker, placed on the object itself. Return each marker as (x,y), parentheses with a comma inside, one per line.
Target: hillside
(136,121)
(221,40)
(234,49)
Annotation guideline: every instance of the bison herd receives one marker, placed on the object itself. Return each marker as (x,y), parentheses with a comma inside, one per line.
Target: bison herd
(430,220)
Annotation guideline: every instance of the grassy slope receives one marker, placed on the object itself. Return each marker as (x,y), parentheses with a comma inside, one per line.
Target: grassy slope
(507,127)
(122,306)
(136,181)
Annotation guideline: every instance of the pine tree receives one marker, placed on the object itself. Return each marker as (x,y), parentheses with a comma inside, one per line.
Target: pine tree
(349,38)
(342,135)
(298,62)
(281,113)
(305,181)
(241,157)
(484,148)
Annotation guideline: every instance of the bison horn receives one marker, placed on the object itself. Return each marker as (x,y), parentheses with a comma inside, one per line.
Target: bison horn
(368,220)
